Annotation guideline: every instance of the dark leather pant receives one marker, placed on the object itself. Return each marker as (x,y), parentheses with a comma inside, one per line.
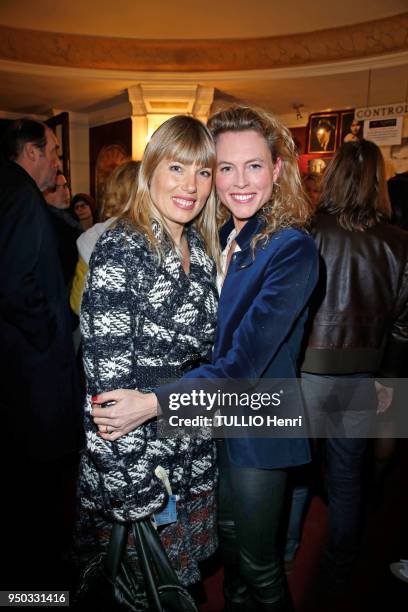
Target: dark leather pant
(250,507)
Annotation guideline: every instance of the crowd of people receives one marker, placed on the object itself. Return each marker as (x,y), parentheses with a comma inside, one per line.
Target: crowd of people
(212,262)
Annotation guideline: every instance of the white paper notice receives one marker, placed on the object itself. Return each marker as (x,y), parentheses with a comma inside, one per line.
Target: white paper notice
(384,131)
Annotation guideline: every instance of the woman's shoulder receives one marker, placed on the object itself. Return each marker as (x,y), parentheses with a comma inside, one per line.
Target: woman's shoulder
(120,246)
(87,240)
(293,237)
(121,235)
(295,250)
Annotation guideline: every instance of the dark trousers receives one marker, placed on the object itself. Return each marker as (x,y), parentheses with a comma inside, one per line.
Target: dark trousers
(340,409)
(36,514)
(250,507)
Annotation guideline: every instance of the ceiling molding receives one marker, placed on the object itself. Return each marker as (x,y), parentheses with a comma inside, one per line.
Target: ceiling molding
(13,116)
(327,68)
(373,38)
(110,114)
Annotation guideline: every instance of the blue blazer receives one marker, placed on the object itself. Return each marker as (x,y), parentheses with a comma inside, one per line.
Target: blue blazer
(260,327)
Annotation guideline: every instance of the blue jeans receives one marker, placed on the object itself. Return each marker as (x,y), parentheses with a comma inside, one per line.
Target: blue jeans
(340,408)
(299,498)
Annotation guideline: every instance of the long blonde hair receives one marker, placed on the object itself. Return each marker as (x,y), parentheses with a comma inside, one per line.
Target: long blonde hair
(120,189)
(288,205)
(186,140)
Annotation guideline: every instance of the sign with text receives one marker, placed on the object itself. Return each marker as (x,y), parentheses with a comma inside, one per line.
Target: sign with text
(384,131)
(384,111)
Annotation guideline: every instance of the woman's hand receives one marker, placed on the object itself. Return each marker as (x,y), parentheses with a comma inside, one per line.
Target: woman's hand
(131,409)
(384,397)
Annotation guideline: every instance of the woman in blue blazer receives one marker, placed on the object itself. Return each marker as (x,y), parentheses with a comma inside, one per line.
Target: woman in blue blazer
(269,267)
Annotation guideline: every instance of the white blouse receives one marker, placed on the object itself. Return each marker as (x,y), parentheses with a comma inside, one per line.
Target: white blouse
(224,258)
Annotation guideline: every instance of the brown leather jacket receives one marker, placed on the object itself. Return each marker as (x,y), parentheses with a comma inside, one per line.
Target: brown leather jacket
(361,301)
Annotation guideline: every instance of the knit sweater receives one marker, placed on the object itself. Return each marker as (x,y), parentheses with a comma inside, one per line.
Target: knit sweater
(85,245)
(140,321)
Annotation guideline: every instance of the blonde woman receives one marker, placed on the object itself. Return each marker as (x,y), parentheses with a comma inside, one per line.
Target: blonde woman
(120,190)
(269,269)
(149,307)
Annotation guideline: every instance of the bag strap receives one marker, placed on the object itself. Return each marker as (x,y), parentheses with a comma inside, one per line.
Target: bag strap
(147,565)
(116,549)
(161,562)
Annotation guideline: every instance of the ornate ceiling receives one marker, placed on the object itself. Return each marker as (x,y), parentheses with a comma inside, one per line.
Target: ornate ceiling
(79,56)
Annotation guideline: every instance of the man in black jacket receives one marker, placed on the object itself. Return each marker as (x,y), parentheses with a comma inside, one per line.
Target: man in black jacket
(39,399)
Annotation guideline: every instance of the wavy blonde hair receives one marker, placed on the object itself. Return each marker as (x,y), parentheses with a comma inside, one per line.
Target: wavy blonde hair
(288,205)
(120,189)
(185,140)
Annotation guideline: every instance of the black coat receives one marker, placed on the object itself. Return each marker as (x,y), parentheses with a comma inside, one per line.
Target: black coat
(39,399)
(67,231)
(398,190)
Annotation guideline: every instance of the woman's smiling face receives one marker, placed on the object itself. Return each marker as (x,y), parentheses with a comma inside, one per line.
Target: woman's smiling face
(179,191)
(245,173)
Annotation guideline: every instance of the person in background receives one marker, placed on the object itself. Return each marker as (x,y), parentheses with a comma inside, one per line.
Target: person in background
(66,226)
(149,307)
(39,401)
(269,268)
(84,208)
(120,189)
(358,333)
(312,183)
(398,192)
(59,195)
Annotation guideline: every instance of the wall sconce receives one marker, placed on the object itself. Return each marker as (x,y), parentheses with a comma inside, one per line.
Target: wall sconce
(297,108)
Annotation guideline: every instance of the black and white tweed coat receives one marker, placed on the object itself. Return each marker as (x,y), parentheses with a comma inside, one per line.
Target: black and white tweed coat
(140,320)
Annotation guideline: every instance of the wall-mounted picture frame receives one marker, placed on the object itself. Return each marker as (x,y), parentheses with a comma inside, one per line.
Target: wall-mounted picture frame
(109,145)
(323,129)
(313,162)
(109,157)
(317,165)
(351,129)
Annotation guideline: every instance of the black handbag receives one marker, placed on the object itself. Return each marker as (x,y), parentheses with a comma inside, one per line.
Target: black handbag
(163,588)
(108,581)
(111,583)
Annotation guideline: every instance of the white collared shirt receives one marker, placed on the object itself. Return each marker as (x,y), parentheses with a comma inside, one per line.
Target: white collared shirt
(224,258)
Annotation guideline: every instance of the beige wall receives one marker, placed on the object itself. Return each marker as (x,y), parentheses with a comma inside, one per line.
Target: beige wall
(79,152)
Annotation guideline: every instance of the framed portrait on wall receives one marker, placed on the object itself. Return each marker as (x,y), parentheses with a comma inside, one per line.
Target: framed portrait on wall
(323,133)
(350,129)
(314,163)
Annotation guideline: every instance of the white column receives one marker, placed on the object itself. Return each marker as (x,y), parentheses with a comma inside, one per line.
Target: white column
(155,102)
(139,121)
